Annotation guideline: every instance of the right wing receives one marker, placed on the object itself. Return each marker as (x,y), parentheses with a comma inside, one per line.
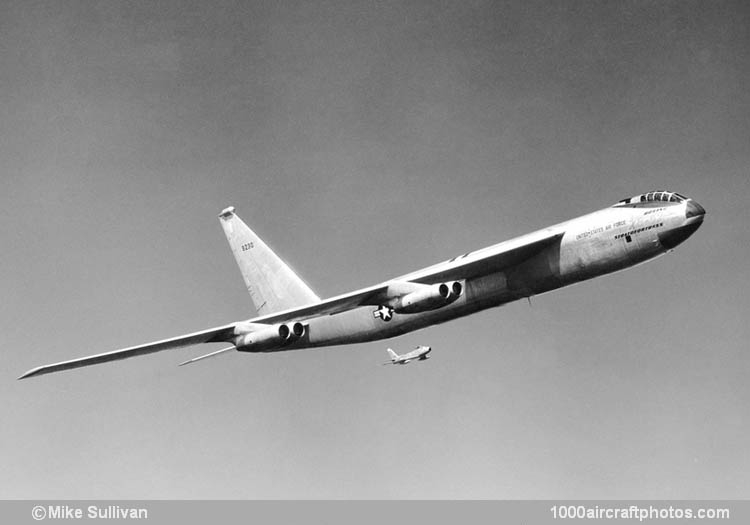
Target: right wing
(488,260)
(213,335)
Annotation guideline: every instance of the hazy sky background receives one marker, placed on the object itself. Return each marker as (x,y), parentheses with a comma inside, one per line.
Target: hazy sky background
(363,140)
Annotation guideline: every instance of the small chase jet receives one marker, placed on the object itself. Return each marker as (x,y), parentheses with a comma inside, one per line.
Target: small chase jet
(419,353)
(290,316)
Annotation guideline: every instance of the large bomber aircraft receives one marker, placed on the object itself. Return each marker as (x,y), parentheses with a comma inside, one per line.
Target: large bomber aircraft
(290,316)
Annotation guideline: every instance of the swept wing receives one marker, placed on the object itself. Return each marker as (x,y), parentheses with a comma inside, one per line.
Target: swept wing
(213,335)
(489,260)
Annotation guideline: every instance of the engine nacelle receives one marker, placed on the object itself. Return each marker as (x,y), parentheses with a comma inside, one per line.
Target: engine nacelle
(290,332)
(428,298)
(269,338)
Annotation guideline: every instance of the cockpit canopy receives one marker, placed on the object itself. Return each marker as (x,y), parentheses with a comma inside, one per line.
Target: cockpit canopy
(663,196)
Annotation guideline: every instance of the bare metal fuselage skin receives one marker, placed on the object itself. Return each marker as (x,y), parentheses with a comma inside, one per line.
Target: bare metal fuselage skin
(599,243)
(629,233)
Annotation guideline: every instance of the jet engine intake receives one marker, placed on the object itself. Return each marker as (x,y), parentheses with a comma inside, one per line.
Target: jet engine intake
(428,298)
(291,332)
(269,338)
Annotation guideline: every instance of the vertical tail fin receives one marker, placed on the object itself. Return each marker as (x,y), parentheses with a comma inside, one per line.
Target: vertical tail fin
(393,354)
(273,285)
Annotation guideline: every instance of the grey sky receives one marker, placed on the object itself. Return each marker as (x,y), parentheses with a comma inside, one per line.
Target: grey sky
(363,140)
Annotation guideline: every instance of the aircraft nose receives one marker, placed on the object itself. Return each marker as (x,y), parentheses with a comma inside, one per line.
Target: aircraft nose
(694,209)
(694,213)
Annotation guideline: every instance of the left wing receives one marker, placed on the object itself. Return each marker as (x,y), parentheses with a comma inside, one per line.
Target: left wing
(212,335)
(226,333)
(493,259)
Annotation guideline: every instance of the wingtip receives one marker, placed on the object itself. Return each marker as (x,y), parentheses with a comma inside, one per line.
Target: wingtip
(30,373)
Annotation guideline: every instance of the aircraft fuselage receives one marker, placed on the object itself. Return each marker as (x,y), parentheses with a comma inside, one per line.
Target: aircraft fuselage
(632,231)
(599,243)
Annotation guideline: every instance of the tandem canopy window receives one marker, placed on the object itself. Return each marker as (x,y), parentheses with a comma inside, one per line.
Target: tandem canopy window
(658,196)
